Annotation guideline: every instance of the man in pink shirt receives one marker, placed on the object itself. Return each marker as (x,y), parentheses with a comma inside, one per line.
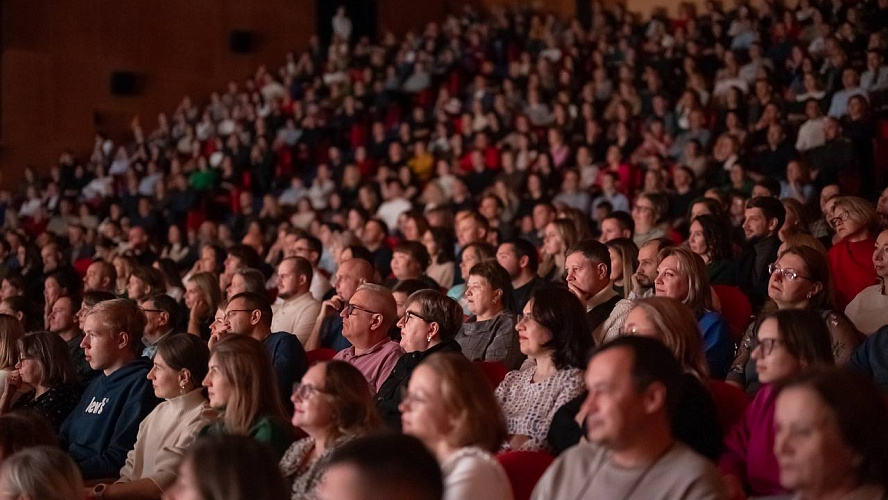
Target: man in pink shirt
(366,321)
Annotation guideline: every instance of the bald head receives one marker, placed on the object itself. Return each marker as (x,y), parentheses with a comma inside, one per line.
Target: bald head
(373,313)
(351,274)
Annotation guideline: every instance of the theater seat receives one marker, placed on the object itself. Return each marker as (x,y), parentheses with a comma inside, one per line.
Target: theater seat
(730,402)
(315,356)
(80,265)
(494,371)
(736,309)
(524,468)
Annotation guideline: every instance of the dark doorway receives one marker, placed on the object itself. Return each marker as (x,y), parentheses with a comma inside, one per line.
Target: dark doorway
(361,12)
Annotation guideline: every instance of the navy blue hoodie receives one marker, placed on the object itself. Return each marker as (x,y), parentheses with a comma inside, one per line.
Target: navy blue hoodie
(103,427)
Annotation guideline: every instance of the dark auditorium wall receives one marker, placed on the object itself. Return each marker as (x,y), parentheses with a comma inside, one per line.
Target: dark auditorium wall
(59,54)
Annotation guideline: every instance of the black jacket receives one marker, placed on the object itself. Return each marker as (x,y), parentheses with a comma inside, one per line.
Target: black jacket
(389,395)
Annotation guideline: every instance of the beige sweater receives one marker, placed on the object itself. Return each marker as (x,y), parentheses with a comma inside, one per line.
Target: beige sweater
(164,436)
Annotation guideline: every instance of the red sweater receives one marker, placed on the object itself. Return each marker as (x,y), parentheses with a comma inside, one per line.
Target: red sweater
(851,267)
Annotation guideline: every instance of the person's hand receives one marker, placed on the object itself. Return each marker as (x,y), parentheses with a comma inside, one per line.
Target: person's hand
(13,382)
(200,310)
(332,305)
(217,336)
(734,487)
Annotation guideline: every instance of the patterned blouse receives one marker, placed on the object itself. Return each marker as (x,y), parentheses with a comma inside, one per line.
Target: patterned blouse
(302,475)
(529,406)
(54,404)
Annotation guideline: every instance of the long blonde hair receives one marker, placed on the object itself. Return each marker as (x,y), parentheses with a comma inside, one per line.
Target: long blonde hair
(246,366)
(678,330)
(699,298)
(11,332)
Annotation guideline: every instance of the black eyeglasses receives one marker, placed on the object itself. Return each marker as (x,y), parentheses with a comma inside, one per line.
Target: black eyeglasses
(411,314)
(152,310)
(790,274)
(767,345)
(229,314)
(350,308)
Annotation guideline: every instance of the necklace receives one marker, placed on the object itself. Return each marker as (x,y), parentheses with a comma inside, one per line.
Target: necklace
(638,480)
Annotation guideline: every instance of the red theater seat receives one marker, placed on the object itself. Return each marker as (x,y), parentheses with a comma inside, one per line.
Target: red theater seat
(524,468)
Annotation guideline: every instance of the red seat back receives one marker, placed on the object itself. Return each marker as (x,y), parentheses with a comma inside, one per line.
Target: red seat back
(494,371)
(315,356)
(730,401)
(736,309)
(524,468)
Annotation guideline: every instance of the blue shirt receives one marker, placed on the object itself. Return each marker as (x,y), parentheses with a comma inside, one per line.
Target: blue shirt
(717,343)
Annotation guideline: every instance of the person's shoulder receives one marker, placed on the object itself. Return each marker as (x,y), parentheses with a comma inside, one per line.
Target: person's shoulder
(475,460)
(689,465)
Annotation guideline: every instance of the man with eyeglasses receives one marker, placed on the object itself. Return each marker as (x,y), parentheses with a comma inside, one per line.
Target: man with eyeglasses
(250,314)
(162,313)
(327,332)
(764,218)
(366,320)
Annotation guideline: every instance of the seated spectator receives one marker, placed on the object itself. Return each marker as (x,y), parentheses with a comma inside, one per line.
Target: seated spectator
(850,259)
(162,314)
(366,320)
(228,468)
(559,236)
(553,333)
(588,277)
(710,239)
(764,217)
(180,365)
(241,387)
(410,259)
(373,237)
(646,273)
(695,419)
(311,249)
(238,257)
(452,410)
(624,260)
(42,472)
(249,314)
(393,467)
(144,281)
(327,331)
(202,296)
(64,323)
(681,275)
(404,289)
(46,372)
(519,258)
(845,414)
(100,275)
(788,342)
(649,213)
(11,332)
(871,357)
(472,254)
(442,267)
(869,309)
(633,385)
(246,279)
(429,325)
(800,279)
(489,334)
(103,427)
(295,309)
(24,429)
(333,406)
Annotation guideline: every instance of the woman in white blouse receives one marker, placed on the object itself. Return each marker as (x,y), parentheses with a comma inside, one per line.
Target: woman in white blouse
(451,408)
(167,432)
(554,334)
(869,309)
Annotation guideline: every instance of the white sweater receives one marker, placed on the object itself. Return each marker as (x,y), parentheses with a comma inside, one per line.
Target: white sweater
(164,436)
(473,474)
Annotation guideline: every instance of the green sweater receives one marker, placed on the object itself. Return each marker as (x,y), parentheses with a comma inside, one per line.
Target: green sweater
(269,430)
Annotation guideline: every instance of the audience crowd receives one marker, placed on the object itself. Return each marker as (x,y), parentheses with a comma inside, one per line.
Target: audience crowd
(508,256)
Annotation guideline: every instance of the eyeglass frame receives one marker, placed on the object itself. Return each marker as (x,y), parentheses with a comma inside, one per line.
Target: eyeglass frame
(228,314)
(767,345)
(349,309)
(773,268)
(408,314)
(524,317)
(312,391)
(841,218)
(410,398)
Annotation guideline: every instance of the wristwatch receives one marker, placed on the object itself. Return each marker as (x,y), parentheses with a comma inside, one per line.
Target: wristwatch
(99,491)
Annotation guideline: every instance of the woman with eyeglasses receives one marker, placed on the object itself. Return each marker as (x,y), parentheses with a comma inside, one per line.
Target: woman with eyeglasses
(681,275)
(169,430)
(850,258)
(869,309)
(649,214)
(553,333)
(429,325)
(789,341)
(332,405)
(241,386)
(800,279)
(451,408)
(46,372)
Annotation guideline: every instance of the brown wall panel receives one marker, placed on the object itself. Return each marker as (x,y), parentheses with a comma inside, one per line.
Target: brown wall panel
(59,55)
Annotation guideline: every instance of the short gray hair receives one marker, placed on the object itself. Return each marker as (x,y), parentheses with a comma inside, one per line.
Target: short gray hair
(42,472)
(390,307)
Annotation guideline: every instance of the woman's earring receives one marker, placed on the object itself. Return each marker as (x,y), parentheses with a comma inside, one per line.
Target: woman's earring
(429,338)
(182,387)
